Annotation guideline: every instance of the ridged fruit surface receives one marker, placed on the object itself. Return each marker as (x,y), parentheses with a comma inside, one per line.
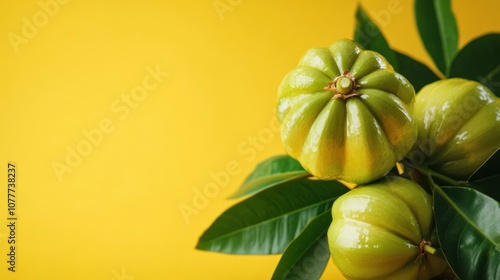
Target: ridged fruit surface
(379,232)
(458,126)
(346,114)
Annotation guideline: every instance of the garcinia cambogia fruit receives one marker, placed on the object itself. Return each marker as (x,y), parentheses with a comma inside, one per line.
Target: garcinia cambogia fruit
(385,230)
(345,114)
(458,126)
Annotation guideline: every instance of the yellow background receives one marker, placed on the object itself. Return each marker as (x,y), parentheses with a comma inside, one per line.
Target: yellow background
(115,213)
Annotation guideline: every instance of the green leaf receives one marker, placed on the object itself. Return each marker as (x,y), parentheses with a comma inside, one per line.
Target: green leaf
(468,228)
(266,222)
(486,178)
(488,186)
(307,255)
(438,30)
(416,72)
(368,35)
(271,172)
(479,60)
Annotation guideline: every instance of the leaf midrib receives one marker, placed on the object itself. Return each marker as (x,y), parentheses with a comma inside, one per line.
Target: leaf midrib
(271,220)
(320,236)
(278,163)
(490,75)
(465,217)
(274,176)
(441,35)
(261,183)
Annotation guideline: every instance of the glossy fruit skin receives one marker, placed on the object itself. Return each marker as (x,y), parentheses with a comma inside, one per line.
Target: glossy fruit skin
(356,135)
(377,230)
(458,126)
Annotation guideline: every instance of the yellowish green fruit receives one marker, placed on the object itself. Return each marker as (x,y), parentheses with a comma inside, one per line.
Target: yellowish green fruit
(346,114)
(458,126)
(385,231)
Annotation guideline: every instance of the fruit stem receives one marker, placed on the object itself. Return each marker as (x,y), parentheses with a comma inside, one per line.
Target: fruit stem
(429,249)
(343,85)
(431,174)
(401,167)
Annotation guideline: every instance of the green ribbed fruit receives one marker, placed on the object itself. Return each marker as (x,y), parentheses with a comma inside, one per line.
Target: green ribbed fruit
(385,231)
(346,114)
(458,126)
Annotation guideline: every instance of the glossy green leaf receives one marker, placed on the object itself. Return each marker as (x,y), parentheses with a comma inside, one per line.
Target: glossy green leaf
(266,222)
(369,36)
(438,30)
(489,186)
(269,173)
(479,60)
(307,255)
(416,72)
(468,228)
